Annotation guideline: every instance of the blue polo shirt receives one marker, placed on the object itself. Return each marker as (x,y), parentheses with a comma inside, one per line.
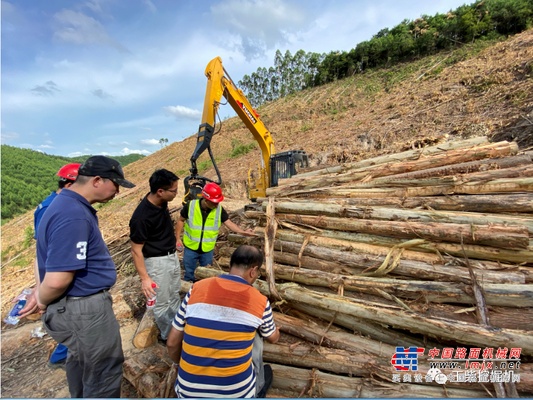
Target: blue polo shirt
(39,212)
(70,240)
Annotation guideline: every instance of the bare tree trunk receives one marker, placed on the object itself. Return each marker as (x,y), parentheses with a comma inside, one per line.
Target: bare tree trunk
(507,237)
(369,264)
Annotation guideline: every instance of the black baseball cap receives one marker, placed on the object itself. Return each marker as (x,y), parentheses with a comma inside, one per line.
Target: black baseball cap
(105,167)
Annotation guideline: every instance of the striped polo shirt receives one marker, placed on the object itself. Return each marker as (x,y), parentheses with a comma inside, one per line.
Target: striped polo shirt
(219,317)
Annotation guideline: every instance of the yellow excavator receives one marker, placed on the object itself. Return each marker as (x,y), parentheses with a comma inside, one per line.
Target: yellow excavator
(273,166)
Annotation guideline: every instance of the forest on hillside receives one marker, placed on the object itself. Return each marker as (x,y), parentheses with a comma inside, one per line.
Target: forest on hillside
(409,40)
(28,176)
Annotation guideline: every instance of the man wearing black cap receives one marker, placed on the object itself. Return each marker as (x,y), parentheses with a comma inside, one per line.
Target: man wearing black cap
(76,272)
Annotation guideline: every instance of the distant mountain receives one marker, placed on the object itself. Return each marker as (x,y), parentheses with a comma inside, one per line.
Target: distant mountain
(29,176)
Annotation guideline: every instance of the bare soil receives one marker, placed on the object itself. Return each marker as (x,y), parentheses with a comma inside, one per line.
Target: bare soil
(489,94)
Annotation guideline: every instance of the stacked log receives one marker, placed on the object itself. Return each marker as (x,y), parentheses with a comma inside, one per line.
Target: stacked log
(430,248)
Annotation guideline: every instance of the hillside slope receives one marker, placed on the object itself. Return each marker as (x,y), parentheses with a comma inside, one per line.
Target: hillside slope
(384,111)
(490,93)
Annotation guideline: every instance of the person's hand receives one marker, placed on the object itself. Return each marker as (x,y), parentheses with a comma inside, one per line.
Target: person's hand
(42,307)
(31,306)
(249,232)
(179,246)
(147,286)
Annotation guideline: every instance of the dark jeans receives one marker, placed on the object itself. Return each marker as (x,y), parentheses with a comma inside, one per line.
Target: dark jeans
(191,259)
(89,328)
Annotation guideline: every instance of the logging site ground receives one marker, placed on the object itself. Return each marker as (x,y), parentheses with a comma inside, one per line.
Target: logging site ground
(483,89)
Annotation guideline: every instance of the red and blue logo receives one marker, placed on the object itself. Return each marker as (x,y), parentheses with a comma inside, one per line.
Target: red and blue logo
(406,358)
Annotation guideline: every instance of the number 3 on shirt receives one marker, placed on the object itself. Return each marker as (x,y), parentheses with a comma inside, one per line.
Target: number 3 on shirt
(82,255)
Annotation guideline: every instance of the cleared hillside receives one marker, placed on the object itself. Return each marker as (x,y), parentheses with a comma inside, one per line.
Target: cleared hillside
(482,91)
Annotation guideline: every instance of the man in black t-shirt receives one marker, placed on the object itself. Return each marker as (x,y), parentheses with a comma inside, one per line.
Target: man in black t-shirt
(153,247)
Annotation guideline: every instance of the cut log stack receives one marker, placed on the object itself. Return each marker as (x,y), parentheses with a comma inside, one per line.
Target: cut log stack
(429,248)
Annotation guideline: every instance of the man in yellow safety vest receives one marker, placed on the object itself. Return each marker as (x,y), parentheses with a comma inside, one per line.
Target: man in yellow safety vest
(200,221)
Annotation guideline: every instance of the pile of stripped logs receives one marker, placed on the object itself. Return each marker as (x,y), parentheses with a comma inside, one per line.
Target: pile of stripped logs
(406,275)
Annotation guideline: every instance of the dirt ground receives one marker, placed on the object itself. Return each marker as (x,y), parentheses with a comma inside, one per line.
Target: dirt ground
(22,353)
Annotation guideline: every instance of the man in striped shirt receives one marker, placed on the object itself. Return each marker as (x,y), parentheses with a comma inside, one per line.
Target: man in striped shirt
(213,332)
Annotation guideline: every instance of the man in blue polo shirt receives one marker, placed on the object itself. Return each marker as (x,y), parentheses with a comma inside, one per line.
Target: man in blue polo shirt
(67,176)
(76,271)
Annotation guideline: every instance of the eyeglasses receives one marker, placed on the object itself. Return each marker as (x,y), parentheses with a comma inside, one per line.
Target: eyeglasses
(171,190)
(114,183)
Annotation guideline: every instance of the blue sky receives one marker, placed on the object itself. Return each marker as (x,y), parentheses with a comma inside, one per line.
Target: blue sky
(114,76)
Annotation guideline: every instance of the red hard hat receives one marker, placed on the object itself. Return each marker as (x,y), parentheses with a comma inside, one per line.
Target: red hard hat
(212,192)
(69,171)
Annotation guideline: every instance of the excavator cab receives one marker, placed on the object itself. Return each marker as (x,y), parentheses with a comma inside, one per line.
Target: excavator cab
(285,165)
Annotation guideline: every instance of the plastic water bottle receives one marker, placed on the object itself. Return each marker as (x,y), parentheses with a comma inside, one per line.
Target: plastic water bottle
(13,316)
(150,303)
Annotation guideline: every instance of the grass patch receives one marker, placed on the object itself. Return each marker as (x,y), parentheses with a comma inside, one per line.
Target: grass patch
(204,165)
(306,127)
(239,149)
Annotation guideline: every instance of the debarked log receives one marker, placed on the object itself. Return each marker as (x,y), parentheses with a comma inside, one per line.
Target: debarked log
(513,316)
(351,363)
(303,354)
(441,328)
(524,171)
(483,257)
(461,332)
(370,264)
(304,382)
(375,330)
(329,335)
(323,334)
(496,186)
(505,166)
(499,149)
(506,237)
(495,203)
(393,214)
(406,155)
(505,295)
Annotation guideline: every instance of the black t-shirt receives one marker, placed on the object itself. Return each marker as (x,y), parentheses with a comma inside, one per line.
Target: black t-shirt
(185,214)
(153,226)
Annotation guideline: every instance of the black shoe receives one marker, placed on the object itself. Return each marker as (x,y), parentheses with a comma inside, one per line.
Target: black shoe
(58,365)
(267,371)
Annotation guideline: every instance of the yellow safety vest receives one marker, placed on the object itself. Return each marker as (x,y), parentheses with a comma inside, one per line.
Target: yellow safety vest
(195,232)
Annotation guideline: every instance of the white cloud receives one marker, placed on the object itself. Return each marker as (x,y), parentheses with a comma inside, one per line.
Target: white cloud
(125,151)
(94,5)
(150,142)
(260,24)
(48,89)
(182,112)
(101,94)
(150,6)
(78,28)
(7,136)
(139,123)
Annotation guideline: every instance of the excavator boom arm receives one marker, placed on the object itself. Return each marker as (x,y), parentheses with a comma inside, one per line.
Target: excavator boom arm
(220,84)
